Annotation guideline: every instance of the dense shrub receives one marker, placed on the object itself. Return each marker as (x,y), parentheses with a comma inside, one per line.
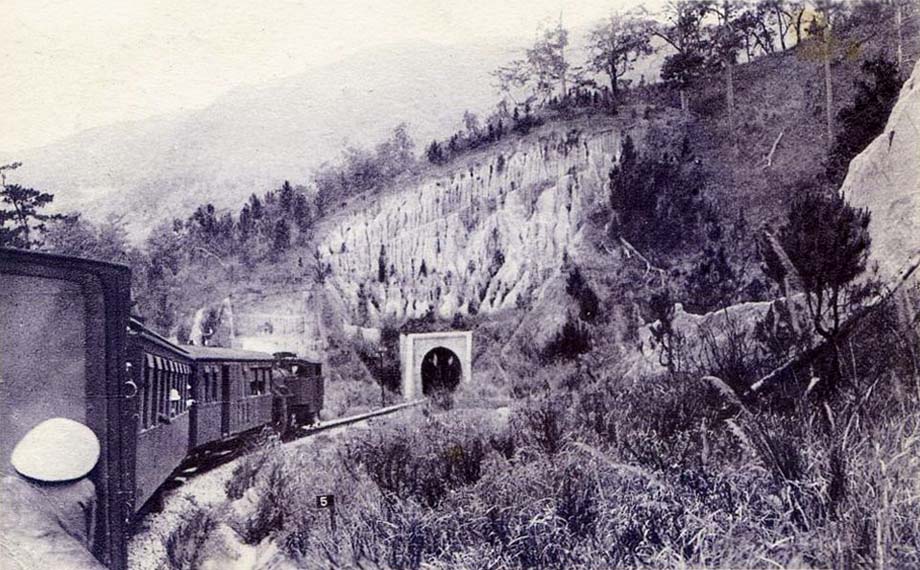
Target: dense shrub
(579,289)
(422,466)
(184,545)
(570,341)
(244,475)
(657,201)
(876,94)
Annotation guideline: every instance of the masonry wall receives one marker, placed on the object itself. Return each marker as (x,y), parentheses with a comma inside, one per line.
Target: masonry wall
(414,347)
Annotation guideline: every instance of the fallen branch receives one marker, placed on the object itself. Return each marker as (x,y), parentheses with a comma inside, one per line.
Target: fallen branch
(648,264)
(768,160)
(211,254)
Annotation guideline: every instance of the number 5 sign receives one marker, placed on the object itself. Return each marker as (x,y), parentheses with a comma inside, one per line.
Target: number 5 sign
(327,502)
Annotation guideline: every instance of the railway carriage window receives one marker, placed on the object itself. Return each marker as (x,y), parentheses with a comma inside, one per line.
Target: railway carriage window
(157,391)
(183,379)
(183,384)
(147,391)
(169,388)
(172,393)
(162,383)
(164,389)
(180,387)
(187,382)
(177,387)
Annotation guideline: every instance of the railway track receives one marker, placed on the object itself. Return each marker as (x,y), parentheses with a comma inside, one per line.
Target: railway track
(227,451)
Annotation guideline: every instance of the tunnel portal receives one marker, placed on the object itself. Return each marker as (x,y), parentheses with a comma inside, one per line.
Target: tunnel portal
(435,362)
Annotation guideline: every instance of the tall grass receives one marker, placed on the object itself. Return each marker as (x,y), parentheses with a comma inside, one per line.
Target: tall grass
(675,471)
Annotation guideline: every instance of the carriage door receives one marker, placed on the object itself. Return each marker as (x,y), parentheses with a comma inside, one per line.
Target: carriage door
(225,399)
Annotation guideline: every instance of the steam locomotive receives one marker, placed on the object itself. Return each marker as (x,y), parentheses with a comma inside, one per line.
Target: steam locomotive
(71,349)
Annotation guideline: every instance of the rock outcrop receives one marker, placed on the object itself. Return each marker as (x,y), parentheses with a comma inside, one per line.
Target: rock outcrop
(478,238)
(885,178)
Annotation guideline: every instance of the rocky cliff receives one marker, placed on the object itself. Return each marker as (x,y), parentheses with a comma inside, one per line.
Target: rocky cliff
(479,236)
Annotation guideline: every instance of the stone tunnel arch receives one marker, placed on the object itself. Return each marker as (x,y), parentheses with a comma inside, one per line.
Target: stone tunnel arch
(435,361)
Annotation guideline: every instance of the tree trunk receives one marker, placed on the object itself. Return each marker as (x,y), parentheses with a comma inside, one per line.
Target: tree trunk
(730,99)
(782,32)
(613,83)
(828,81)
(899,20)
(798,27)
(684,103)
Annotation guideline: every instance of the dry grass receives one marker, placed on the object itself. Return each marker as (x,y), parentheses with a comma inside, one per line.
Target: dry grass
(658,473)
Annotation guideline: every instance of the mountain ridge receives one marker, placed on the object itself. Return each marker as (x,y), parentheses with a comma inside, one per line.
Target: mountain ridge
(255,136)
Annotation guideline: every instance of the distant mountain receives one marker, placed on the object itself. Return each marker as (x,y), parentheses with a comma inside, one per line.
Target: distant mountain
(252,138)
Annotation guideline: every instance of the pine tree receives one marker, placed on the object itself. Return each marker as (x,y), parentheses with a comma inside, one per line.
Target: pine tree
(20,225)
(286,197)
(827,241)
(281,237)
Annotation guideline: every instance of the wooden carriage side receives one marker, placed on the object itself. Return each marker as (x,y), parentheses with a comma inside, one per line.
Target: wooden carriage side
(63,355)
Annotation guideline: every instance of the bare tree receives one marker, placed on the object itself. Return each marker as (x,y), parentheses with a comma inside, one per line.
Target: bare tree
(542,68)
(780,14)
(795,12)
(512,77)
(547,62)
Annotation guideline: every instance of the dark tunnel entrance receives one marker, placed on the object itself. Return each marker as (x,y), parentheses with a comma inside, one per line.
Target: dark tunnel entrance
(441,371)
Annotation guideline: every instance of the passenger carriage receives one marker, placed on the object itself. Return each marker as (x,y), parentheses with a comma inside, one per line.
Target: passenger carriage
(71,350)
(232,393)
(160,374)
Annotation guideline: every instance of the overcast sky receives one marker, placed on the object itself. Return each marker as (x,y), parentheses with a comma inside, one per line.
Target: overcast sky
(70,65)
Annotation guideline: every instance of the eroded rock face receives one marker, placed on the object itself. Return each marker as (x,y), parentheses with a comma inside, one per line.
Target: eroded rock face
(484,237)
(885,178)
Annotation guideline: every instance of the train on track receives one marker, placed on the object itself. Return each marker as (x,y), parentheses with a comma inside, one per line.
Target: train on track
(71,349)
